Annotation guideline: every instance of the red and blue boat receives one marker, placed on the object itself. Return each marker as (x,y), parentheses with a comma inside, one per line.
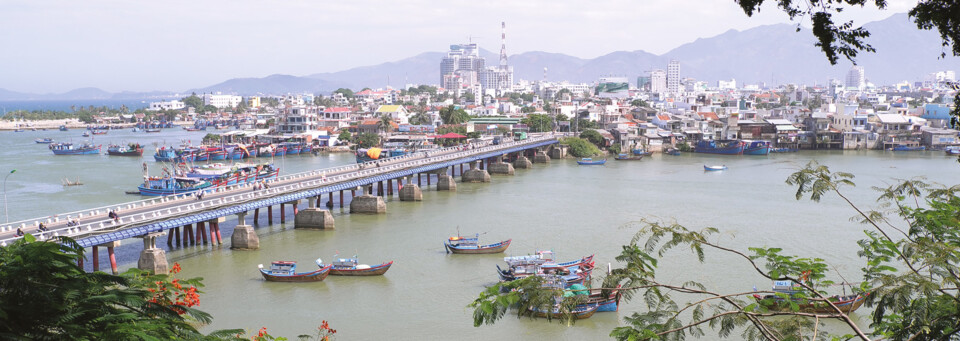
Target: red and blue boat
(467,245)
(292,148)
(165,154)
(756,148)
(245,174)
(285,271)
(724,147)
(66,148)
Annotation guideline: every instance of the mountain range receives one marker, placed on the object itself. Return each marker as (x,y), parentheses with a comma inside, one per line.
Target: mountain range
(773,54)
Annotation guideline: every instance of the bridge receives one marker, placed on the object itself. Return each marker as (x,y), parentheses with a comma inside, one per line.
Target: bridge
(155,217)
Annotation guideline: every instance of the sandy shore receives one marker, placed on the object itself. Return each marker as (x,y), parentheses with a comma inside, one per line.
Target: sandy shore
(71,123)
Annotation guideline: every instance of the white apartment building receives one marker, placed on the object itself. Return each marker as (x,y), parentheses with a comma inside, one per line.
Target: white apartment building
(221,101)
(673,77)
(658,81)
(298,120)
(166,105)
(856,79)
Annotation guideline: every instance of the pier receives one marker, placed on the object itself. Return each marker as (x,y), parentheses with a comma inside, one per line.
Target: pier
(195,220)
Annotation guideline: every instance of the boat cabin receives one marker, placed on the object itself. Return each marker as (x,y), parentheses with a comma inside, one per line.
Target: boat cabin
(460,241)
(283,268)
(344,263)
(786,287)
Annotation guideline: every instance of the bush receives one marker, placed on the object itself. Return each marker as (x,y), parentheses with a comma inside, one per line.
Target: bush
(593,136)
(615,149)
(684,147)
(580,147)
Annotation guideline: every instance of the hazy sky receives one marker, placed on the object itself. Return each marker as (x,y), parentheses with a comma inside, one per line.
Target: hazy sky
(123,45)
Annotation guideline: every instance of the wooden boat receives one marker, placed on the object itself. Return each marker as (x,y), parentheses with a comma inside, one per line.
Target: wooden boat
(283,271)
(714,168)
(63,128)
(672,151)
(99,132)
(640,152)
(44,141)
(542,263)
(85,134)
(605,302)
(588,161)
(625,157)
(133,149)
(905,148)
(846,304)
(66,182)
(952,150)
(172,186)
(756,147)
(580,312)
(725,147)
(467,245)
(351,267)
(154,130)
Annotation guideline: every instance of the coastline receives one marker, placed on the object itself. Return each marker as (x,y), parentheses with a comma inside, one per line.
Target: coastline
(70,123)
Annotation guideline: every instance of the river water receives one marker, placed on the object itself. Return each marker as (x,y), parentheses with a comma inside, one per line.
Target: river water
(573,210)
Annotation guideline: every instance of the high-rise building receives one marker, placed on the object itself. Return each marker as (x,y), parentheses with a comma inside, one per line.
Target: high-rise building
(856,79)
(658,81)
(673,77)
(461,58)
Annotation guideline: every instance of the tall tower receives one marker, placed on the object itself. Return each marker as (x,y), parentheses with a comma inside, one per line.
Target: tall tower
(503,45)
(673,77)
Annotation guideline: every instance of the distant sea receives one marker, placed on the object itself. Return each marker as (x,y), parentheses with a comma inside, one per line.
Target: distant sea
(64,105)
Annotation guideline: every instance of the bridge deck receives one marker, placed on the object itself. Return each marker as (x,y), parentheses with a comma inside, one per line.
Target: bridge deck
(160,214)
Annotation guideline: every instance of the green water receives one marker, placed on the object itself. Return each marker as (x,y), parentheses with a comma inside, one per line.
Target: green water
(574,210)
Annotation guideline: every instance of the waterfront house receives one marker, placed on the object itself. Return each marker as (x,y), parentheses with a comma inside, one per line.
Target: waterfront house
(938,138)
(894,130)
(397,113)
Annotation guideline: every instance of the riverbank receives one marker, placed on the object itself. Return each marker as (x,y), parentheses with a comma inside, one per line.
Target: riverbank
(70,123)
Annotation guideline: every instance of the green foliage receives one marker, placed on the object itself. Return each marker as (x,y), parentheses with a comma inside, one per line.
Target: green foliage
(580,147)
(453,115)
(346,92)
(193,101)
(211,138)
(473,135)
(367,140)
(419,118)
(685,147)
(344,136)
(208,108)
(562,118)
(269,101)
(46,295)
(528,109)
(593,136)
(432,90)
(583,124)
(614,149)
(639,103)
(538,122)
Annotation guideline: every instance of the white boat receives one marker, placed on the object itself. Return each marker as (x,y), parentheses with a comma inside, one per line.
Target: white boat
(714,168)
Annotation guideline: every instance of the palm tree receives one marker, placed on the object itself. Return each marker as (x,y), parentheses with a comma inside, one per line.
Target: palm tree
(384,124)
(419,118)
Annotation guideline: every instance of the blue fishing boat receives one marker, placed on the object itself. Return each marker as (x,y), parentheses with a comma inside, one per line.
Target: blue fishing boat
(626,157)
(725,147)
(756,148)
(906,148)
(588,161)
(543,263)
(44,141)
(172,186)
(246,174)
(285,271)
(71,149)
(580,312)
(279,150)
(783,150)
(292,148)
(714,168)
(606,300)
(63,128)
(467,245)
(672,151)
(954,150)
(132,149)
(165,154)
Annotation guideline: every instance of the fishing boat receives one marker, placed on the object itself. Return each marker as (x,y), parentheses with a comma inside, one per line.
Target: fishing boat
(579,312)
(136,129)
(606,300)
(640,152)
(725,147)
(63,128)
(367,155)
(152,130)
(99,132)
(589,162)
(756,147)
(714,168)
(952,150)
(85,134)
(783,150)
(846,303)
(132,149)
(543,263)
(153,187)
(292,148)
(165,154)
(906,148)
(44,141)
(71,149)
(350,267)
(284,271)
(672,151)
(467,245)
(627,157)
(246,173)
(279,150)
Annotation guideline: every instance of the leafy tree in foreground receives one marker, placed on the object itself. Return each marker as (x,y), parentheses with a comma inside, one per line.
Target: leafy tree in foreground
(45,295)
(367,140)
(911,275)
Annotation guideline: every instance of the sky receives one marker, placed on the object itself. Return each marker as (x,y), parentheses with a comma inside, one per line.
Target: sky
(119,45)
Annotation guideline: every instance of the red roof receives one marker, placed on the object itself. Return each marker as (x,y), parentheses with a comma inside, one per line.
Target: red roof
(663,117)
(451,136)
(338,109)
(709,115)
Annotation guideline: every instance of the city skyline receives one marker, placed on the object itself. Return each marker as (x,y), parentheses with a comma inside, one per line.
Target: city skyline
(118,46)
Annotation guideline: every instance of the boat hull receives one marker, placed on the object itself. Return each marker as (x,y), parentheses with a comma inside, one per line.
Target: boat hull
(315,276)
(757,151)
(134,152)
(579,313)
(482,249)
(714,168)
(84,151)
(846,304)
(372,271)
(592,163)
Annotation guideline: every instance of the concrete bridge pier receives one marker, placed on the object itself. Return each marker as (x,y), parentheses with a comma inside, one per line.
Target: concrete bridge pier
(341,198)
(256,216)
(313,218)
(171,233)
(215,231)
(270,215)
(558,151)
(283,214)
(500,167)
(411,192)
(368,203)
(522,162)
(188,235)
(541,157)
(111,256)
(202,233)
(152,259)
(446,182)
(476,175)
(390,187)
(244,237)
